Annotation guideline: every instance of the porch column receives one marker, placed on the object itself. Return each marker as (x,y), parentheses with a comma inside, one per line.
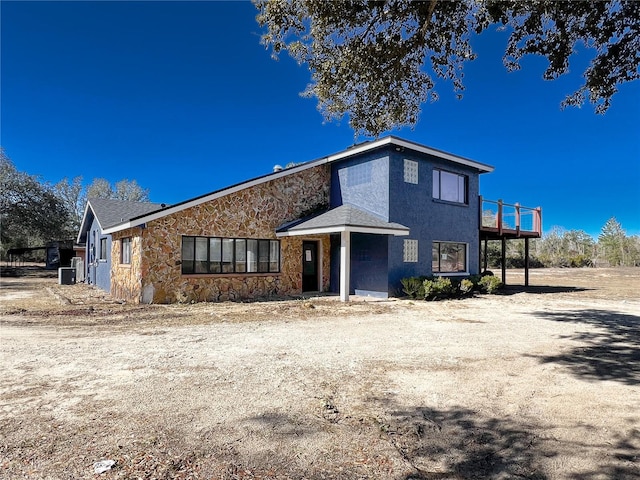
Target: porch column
(345,265)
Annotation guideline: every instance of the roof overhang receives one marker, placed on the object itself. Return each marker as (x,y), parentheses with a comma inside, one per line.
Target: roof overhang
(343,228)
(344,218)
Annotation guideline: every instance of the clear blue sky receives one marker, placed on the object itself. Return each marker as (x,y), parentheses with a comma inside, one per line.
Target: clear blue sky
(181,97)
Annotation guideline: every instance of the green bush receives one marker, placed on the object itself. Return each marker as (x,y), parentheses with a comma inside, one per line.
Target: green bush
(466,287)
(489,284)
(413,287)
(438,288)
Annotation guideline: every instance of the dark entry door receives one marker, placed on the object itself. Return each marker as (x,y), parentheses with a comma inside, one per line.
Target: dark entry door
(309,266)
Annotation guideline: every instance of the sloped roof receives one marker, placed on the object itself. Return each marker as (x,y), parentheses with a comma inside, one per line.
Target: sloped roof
(109,212)
(342,218)
(398,143)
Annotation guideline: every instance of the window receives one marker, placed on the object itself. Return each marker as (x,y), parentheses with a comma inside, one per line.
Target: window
(410,171)
(229,255)
(103,249)
(450,187)
(410,251)
(447,257)
(125,250)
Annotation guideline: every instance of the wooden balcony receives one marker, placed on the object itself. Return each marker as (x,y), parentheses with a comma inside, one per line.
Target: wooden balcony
(505,221)
(500,220)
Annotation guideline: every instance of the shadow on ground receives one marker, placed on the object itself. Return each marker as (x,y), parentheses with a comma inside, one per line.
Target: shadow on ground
(611,353)
(540,289)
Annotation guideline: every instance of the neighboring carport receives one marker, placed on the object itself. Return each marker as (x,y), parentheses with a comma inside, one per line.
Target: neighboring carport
(345,219)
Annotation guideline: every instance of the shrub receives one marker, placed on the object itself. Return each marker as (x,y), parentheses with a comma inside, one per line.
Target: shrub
(413,287)
(439,287)
(490,284)
(466,286)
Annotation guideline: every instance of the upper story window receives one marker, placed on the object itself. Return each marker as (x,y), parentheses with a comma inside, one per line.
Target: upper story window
(450,187)
(410,171)
(125,250)
(103,249)
(229,255)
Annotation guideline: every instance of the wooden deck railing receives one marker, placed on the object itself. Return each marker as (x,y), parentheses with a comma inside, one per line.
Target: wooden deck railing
(514,219)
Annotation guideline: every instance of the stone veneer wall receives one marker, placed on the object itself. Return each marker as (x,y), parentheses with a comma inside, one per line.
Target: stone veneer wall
(253,212)
(126,279)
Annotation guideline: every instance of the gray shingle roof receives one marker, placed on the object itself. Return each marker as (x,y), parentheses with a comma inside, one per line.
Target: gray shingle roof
(110,212)
(342,216)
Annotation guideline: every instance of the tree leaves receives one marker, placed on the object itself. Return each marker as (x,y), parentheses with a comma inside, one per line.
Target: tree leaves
(376,61)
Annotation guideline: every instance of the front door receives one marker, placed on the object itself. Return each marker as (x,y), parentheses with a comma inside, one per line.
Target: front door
(310,266)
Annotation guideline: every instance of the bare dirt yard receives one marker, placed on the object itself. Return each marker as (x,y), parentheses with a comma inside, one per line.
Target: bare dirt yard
(537,383)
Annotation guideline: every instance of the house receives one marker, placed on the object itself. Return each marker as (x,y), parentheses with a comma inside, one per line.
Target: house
(357,221)
(99,214)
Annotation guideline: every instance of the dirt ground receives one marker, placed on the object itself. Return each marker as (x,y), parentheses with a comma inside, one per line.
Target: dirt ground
(537,383)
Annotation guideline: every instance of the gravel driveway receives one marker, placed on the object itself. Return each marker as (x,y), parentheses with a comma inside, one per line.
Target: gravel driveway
(537,384)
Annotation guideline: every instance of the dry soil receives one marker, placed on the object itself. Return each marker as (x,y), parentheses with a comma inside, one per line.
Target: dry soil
(537,383)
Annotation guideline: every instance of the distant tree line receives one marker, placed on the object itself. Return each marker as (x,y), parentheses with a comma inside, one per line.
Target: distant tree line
(33,211)
(572,248)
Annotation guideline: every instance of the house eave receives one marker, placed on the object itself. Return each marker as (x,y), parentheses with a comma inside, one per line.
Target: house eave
(343,228)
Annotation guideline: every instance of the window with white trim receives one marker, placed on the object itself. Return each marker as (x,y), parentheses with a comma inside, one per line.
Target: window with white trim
(207,255)
(410,171)
(410,251)
(448,257)
(450,187)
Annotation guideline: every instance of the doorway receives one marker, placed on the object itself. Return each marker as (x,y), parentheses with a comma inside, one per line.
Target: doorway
(310,266)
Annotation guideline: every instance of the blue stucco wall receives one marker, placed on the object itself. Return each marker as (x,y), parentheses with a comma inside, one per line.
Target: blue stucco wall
(98,272)
(362,182)
(375,182)
(429,220)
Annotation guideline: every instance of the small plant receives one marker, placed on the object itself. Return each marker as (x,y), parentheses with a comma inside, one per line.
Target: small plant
(490,284)
(413,287)
(466,287)
(439,287)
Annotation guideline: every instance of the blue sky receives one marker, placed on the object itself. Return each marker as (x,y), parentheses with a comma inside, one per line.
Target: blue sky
(181,97)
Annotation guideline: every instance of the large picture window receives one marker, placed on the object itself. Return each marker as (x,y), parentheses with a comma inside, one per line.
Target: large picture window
(229,255)
(448,257)
(450,187)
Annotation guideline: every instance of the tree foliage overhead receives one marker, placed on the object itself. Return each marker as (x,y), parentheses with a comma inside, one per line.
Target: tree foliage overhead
(376,60)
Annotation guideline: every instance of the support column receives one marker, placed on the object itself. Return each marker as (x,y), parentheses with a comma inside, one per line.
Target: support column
(345,265)
(526,261)
(504,260)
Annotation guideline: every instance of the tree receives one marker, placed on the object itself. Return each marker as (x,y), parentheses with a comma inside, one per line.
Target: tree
(376,60)
(72,195)
(612,241)
(123,190)
(30,212)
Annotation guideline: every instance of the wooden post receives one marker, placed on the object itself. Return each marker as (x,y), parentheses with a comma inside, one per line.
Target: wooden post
(485,254)
(504,260)
(526,261)
(499,219)
(517,205)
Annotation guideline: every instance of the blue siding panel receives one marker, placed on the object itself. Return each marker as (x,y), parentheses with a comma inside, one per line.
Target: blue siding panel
(98,271)
(375,182)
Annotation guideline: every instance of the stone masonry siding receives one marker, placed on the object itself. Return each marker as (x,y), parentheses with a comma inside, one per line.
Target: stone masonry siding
(254,212)
(126,279)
